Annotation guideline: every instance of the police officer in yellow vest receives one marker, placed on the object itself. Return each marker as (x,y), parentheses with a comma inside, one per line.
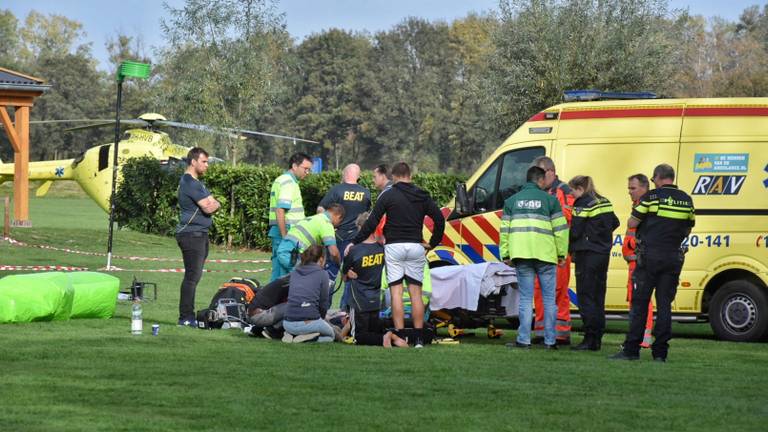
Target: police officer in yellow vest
(314,230)
(285,205)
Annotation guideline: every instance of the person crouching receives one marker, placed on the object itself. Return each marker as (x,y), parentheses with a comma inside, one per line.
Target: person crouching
(308,300)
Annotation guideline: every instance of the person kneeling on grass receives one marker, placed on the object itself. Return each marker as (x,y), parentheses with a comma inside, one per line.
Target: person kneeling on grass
(363,265)
(308,300)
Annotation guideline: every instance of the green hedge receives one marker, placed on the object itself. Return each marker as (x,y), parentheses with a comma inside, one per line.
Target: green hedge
(146,198)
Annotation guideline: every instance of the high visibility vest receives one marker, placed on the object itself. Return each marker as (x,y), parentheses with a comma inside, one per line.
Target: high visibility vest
(285,194)
(314,230)
(533,226)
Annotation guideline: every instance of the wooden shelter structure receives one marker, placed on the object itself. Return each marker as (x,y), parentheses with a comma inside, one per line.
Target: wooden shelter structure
(18,91)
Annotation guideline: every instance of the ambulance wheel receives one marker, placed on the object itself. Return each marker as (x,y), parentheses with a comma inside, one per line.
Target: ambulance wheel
(739,312)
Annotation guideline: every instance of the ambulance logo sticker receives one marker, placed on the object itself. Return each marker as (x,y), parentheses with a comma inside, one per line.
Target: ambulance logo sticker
(719,185)
(721,162)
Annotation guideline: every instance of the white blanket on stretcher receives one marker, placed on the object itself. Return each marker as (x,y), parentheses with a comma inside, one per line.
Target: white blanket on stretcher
(460,286)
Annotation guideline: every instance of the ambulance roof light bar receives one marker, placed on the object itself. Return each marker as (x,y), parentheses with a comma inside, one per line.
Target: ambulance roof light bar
(593,95)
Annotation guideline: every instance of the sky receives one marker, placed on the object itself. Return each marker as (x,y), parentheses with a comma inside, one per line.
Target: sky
(102,19)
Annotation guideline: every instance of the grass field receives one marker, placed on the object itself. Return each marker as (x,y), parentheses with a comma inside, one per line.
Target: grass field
(94,375)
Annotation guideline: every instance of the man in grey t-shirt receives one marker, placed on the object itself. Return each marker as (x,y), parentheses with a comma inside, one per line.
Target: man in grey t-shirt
(196,206)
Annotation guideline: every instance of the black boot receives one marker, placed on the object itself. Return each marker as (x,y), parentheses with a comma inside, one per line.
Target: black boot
(585,345)
(596,344)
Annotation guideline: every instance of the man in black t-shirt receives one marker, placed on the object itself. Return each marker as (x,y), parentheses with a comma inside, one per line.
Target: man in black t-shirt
(355,199)
(196,206)
(363,265)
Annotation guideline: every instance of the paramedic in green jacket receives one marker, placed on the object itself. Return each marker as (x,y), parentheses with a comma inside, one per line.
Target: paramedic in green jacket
(285,205)
(534,239)
(319,230)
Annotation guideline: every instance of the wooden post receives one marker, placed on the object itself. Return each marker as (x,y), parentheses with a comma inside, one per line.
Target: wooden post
(21,169)
(7,219)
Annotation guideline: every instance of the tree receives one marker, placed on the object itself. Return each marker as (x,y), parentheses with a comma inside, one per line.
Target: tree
(470,136)
(334,93)
(222,64)
(137,94)
(49,48)
(544,47)
(9,27)
(721,58)
(412,91)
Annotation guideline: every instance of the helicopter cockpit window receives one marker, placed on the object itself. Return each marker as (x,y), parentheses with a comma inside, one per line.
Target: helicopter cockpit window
(104,156)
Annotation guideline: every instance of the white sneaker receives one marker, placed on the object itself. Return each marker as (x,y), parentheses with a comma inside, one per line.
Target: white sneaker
(306,337)
(287,338)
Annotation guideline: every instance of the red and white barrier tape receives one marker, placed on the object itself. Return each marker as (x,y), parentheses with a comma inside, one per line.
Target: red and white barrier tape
(131,258)
(40,268)
(115,269)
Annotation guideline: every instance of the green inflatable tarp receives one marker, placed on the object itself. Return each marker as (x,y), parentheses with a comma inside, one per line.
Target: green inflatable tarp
(57,296)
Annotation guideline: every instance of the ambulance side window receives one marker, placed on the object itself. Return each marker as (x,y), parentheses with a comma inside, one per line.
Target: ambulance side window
(513,170)
(485,189)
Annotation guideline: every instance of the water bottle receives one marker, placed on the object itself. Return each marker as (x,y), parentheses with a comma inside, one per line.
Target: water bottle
(136,323)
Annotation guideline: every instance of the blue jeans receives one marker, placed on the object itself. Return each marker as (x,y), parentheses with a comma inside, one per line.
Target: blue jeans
(317,326)
(527,270)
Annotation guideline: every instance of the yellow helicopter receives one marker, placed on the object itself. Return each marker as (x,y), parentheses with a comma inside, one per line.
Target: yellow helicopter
(92,169)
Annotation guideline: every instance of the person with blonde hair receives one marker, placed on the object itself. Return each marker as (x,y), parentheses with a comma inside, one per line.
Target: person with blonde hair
(590,244)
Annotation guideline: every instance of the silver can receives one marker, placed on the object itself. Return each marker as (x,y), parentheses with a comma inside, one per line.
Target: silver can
(155,329)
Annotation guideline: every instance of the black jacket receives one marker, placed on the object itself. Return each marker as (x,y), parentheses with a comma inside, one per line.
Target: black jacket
(405,206)
(271,294)
(592,225)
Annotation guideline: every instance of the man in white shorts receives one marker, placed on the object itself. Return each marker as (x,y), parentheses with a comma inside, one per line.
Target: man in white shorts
(405,206)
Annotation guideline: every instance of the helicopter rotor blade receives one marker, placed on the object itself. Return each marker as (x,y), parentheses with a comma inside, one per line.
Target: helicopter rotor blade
(257,133)
(69,121)
(133,122)
(197,127)
(234,133)
(230,132)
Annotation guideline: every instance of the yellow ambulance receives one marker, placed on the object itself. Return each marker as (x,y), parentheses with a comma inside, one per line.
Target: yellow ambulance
(719,148)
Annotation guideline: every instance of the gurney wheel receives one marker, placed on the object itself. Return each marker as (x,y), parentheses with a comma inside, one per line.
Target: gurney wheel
(453,331)
(494,333)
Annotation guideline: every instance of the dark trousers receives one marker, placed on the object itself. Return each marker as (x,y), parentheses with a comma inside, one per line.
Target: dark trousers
(591,275)
(367,328)
(659,272)
(194,250)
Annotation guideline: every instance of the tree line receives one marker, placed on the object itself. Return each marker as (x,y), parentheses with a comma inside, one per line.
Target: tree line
(441,95)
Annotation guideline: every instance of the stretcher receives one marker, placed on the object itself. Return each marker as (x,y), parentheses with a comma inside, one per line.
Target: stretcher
(473,296)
